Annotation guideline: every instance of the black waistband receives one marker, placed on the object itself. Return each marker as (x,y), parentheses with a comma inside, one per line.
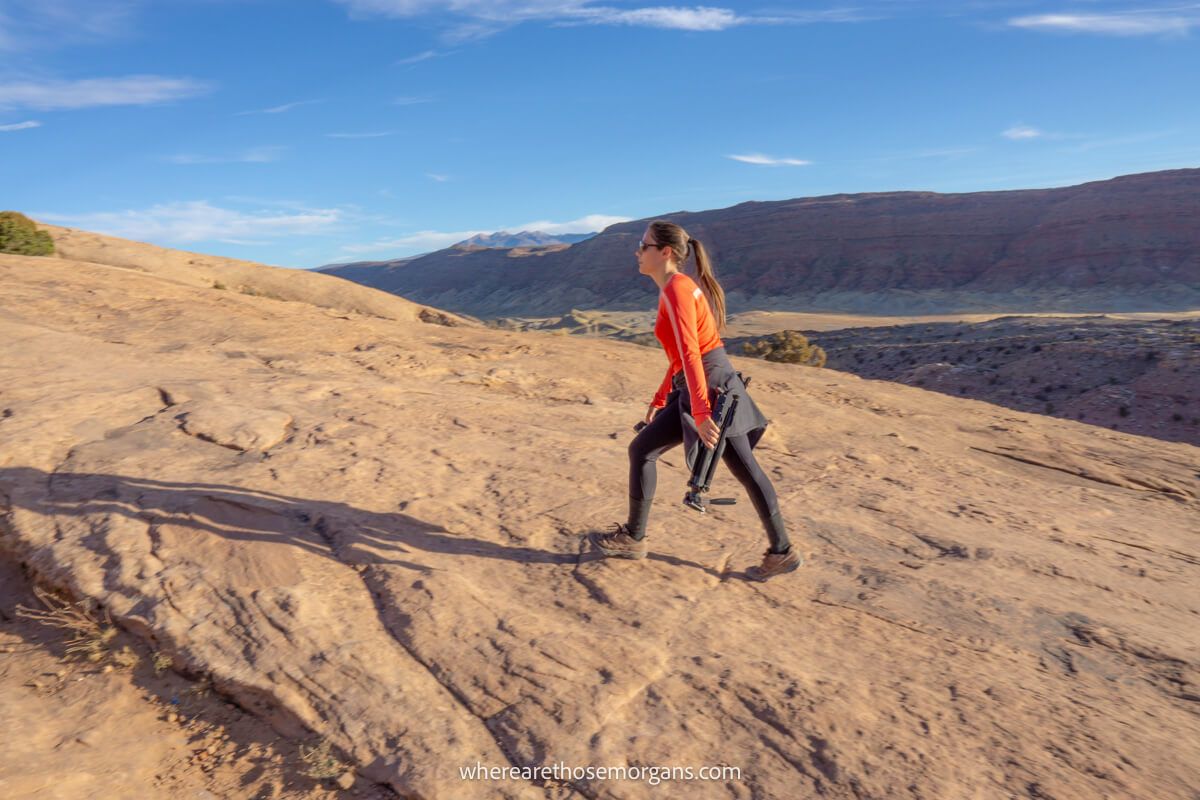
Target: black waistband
(715,356)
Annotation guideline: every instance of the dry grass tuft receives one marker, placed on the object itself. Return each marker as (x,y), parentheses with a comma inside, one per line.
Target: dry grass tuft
(162,662)
(201,688)
(321,762)
(91,636)
(255,292)
(126,658)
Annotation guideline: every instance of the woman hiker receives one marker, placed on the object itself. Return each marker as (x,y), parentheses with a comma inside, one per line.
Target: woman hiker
(681,411)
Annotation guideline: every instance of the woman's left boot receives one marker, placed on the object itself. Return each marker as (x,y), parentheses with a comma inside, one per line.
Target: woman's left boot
(627,540)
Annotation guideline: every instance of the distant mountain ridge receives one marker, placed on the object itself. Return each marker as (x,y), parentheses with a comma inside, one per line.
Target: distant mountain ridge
(506,240)
(503,240)
(1125,244)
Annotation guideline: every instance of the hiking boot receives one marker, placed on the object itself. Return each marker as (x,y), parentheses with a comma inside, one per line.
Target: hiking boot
(617,543)
(775,564)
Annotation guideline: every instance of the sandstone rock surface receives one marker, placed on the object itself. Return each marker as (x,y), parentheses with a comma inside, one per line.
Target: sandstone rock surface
(996,604)
(236,427)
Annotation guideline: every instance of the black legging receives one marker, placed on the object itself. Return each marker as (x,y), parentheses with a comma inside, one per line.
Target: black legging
(666,431)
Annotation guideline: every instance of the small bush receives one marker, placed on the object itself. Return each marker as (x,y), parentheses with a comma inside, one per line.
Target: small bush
(19,235)
(790,347)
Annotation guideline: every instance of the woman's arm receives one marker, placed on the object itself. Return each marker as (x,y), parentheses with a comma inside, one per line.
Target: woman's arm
(660,397)
(680,300)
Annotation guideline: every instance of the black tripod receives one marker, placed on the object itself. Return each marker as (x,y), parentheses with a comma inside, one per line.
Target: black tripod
(707,459)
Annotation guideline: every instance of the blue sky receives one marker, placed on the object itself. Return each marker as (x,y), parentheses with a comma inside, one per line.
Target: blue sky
(310,131)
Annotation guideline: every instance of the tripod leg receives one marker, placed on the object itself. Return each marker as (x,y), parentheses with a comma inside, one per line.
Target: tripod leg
(726,419)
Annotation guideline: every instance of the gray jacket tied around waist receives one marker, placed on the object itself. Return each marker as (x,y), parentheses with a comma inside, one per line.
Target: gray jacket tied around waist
(720,374)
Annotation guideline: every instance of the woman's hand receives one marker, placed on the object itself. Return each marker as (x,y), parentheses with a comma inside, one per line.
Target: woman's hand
(710,432)
(650,413)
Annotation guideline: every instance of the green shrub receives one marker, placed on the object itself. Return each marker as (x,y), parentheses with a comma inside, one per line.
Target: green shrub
(19,234)
(790,347)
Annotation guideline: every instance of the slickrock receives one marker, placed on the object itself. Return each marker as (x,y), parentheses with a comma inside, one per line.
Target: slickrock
(372,530)
(235,427)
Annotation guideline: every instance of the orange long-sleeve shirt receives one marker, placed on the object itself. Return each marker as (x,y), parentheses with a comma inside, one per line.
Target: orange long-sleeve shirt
(687,330)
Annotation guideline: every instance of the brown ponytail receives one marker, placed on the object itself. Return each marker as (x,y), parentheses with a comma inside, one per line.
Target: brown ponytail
(708,282)
(668,234)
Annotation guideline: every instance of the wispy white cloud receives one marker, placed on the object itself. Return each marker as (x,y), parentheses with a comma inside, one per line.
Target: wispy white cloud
(370,135)
(476,19)
(419,242)
(263,200)
(699,18)
(279,109)
(426,241)
(705,18)
(410,101)
(418,58)
(591,223)
(1144,22)
(21,126)
(248,242)
(768,161)
(1120,141)
(434,176)
(1085,141)
(255,155)
(199,221)
(484,9)
(1022,132)
(26,26)
(132,90)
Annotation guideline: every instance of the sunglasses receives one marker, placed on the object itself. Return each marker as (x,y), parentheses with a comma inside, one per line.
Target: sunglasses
(643,246)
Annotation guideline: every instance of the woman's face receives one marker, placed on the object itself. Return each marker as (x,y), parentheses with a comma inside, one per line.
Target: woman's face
(653,258)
